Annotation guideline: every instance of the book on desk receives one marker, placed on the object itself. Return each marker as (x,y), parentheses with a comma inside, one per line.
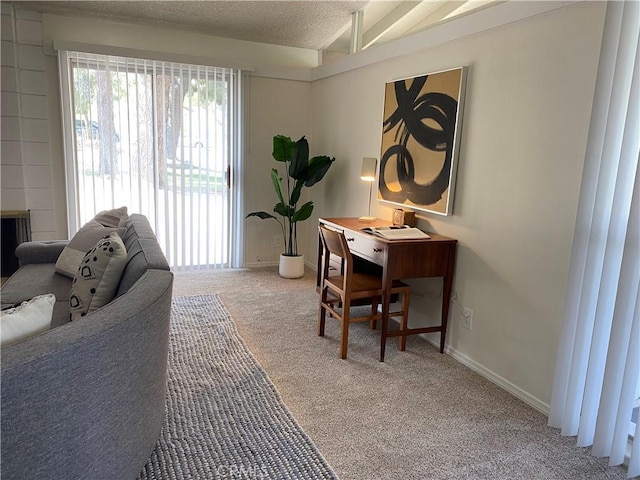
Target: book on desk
(396,232)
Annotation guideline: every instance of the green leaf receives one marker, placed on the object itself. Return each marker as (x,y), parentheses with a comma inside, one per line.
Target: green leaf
(283,148)
(303,213)
(318,167)
(282,209)
(275,178)
(262,215)
(300,159)
(295,194)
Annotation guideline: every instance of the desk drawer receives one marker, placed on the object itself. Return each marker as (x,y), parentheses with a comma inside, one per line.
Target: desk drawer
(367,247)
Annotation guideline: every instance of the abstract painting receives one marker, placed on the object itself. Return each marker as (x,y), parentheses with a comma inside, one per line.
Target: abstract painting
(420,141)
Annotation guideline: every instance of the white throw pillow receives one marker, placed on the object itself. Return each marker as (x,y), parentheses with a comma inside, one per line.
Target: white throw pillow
(71,256)
(27,319)
(98,276)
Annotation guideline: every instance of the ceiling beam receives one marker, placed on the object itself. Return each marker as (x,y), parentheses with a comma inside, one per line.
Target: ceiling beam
(356,31)
(440,13)
(388,21)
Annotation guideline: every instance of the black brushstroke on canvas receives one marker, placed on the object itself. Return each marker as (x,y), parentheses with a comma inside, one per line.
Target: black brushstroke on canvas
(411,112)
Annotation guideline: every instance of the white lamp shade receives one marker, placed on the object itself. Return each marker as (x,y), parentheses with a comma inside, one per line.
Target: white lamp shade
(369,169)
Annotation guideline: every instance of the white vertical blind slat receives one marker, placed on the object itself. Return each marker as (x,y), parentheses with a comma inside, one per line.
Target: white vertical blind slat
(566,391)
(624,245)
(613,212)
(634,460)
(598,360)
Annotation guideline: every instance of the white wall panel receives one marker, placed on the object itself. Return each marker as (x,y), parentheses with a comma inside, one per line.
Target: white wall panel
(9,104)
(35,130)
(39,198)
(36,154)
(37,177)
(10,128)
(32,82)
(8,57)
(12,176)
(11,153)
(30,57)
(34,106)
(12,199)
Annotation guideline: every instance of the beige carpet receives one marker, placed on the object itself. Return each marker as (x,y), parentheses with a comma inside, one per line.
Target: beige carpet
(418,415)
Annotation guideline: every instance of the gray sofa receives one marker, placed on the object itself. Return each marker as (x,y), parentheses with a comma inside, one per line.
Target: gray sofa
(86,399)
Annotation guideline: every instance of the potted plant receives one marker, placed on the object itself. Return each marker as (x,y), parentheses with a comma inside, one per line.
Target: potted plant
(300,171)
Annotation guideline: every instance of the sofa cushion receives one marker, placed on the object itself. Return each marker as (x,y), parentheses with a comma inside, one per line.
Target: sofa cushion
(27,319)
(36,279)
(143,252)
(70,258)
(98,276)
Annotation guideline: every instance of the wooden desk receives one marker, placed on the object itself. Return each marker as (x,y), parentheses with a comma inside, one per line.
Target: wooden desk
(401,259)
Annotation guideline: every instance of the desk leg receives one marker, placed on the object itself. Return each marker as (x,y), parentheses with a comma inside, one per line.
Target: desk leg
(447,287)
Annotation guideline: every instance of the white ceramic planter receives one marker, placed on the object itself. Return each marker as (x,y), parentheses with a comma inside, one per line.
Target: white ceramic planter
(291,267)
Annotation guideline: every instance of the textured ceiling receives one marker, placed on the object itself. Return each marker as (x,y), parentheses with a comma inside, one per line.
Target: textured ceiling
(316,25)
(305,24)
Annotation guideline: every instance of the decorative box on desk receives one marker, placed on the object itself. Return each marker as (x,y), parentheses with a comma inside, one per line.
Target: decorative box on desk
(401,259)
(404,217)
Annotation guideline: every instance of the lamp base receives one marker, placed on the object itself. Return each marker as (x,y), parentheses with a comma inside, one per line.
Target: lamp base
(367,219)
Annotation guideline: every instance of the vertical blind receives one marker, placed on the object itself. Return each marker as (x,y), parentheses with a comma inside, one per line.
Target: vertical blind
(598,369)
(157,137)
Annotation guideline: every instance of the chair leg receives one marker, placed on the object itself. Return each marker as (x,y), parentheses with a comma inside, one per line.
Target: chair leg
(344,336)
(373,324)
(405,320)
(322,313)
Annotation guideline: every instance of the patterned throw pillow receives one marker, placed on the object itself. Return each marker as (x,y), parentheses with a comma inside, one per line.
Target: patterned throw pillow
(70,258)
(98,276)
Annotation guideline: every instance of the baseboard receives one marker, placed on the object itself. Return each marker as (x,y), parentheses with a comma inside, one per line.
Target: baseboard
(495,378)
(261,264)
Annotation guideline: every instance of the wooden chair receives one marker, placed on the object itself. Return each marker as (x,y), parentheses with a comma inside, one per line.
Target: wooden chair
(349,287)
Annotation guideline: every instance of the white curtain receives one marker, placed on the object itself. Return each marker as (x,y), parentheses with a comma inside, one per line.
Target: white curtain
(159,137)
(598,366)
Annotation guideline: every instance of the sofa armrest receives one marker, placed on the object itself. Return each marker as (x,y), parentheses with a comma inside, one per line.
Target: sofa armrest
(40,252)
(86,400)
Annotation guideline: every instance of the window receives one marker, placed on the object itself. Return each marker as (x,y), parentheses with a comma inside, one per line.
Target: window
(157,137)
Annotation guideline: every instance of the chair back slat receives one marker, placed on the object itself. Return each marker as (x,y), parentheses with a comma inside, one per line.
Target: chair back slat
(335,242)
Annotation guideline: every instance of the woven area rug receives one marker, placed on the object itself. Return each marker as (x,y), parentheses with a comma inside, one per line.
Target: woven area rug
(225,419)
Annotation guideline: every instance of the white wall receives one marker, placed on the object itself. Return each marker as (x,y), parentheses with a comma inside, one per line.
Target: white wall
(25,163)
(526,119)
(275,107)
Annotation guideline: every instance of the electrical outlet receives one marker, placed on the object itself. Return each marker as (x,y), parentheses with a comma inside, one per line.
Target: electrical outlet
(277,240)
(467,317)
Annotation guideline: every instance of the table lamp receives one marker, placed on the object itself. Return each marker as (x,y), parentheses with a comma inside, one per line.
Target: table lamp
(368,174)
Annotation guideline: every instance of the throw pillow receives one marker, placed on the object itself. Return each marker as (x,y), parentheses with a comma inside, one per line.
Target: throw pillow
(71,256)
(27,319)
(97,279)
(112,218)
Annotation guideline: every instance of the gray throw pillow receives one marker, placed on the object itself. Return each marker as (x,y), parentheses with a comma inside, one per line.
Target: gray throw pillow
(71,256)
(116,217)
(97,279)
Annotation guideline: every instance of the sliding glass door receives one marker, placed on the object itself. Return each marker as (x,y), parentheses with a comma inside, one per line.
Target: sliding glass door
(157,137)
